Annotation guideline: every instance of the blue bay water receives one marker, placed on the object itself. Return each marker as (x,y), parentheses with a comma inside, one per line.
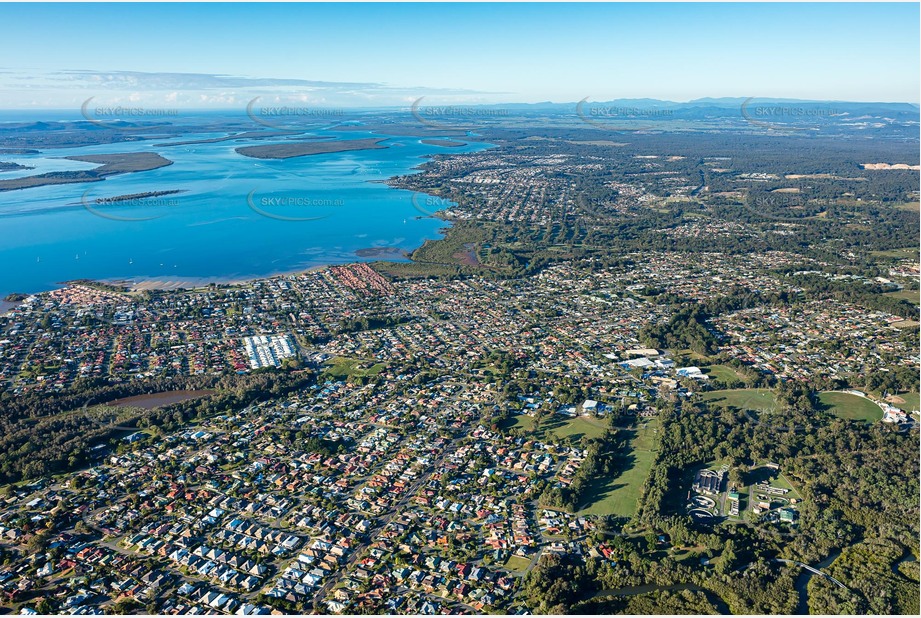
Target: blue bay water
(225,225)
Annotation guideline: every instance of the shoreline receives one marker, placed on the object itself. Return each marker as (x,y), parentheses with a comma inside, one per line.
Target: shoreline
(142,284)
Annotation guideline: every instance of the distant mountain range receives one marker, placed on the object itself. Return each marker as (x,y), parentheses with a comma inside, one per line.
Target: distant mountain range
(724,103)
(766,111)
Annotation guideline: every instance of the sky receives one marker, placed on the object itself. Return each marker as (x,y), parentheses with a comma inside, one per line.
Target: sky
(56,56)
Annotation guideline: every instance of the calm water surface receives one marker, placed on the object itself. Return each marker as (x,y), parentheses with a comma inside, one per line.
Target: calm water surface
(225,224)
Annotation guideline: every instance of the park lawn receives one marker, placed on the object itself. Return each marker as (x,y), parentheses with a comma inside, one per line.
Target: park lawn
(913,296)
(519,421)
(756,399)
(723,373)
(517,563)
(575,429)
(620,495)
(850,407)
(691,555)
(341,367)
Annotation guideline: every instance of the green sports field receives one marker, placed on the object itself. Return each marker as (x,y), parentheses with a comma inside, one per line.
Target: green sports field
(850,407)
(722,373)
(911,402)
(575,428)
(619,495)
(519,421)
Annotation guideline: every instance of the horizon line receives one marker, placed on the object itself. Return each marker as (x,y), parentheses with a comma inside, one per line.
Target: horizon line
(408,105)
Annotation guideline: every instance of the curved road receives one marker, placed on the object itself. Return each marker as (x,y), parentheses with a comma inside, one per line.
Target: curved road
(813,570)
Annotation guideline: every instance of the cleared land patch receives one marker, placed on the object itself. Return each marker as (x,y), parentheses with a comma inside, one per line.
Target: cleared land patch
(151,401)
(904,252)
(912,296)
(517,563)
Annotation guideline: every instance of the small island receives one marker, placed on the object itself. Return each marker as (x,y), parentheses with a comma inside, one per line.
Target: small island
(6,166)
(444,143)
(136,196)
(110,164)
(123,163)
(301,149)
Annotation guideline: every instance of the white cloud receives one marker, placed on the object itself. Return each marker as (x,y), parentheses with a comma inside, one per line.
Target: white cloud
(151,89)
